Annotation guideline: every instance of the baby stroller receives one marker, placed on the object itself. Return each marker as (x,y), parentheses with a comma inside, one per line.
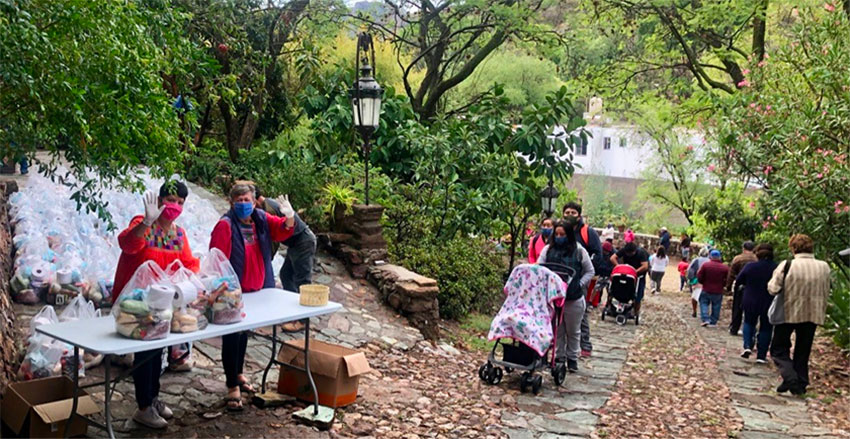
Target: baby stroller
(621,295)
(526,326)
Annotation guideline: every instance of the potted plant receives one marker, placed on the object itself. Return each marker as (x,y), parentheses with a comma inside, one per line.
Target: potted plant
(338,201)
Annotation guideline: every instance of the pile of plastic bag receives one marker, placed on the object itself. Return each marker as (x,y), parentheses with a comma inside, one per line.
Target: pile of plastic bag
(47,356)
(61,253)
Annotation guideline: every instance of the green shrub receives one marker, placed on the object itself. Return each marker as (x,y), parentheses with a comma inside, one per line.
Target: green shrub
(837,322)
(467,271)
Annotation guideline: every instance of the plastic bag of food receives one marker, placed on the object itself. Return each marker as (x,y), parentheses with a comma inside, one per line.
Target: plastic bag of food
(43,358)
(45,316)
(190,301)
(143,310)
(79,309)
(222,284)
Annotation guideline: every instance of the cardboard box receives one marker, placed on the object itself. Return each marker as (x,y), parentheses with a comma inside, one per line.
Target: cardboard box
(41,408)
(336,371)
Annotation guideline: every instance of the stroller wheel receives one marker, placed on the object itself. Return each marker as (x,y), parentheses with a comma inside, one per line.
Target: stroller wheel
(536,383)
(621,319)
(559,373)
(509,369)
(525,382)
(484,371)
(495,375)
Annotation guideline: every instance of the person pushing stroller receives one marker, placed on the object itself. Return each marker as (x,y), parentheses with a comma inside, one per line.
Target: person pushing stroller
(563,250)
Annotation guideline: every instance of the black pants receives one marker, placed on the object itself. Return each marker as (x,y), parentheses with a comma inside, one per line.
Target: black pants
(737,310)
(233,348)
(297,268)
(796,370)
(146,376)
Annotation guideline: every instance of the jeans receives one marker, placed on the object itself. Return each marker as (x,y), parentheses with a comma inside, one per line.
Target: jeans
(146,376)
(686,252)
(297,268)
(794,371)
(714,300)
(233,348)
(737,310)
(764,333)
(569,330)
(682,281)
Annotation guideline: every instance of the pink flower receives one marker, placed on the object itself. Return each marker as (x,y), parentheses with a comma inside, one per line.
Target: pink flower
(820,175)
(752,204)
(744,83)
(745,72)
(710,168)
(690,148)
(847,208)
(752,105)
(762,63)
(768,169)
(829,7)
(765,224)
(767,107)
(838,203)
(823,113)
(795,13)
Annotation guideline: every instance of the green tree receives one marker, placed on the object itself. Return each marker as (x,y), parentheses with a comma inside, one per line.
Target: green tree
(82,79)
(450,39)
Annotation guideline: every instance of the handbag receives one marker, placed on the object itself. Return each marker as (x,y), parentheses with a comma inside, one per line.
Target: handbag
(776,312)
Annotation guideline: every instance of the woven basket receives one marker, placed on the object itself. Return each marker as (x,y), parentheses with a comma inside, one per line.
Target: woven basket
(314,295)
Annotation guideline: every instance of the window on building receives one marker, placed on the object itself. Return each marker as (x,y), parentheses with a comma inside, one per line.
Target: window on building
(581,148)
(607,143)
(622,142)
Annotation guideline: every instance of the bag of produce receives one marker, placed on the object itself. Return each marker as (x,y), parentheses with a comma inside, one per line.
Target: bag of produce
(44,354)
(143,310)
(225,293)
(190,302)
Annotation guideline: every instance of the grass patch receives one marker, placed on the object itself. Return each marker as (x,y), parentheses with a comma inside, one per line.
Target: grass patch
(471,332)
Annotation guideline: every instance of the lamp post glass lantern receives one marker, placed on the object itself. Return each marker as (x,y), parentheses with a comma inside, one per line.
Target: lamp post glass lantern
(549,198)
(366,98)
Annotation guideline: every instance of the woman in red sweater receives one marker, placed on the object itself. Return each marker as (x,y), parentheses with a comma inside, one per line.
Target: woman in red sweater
(245,234)
(153,237)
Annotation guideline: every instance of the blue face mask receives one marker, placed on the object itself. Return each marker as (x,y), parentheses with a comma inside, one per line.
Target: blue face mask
(546,231)
(560,240)
(243,210)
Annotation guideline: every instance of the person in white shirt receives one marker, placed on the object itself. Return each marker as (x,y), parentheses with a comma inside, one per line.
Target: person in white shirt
(608,233)
(657,267)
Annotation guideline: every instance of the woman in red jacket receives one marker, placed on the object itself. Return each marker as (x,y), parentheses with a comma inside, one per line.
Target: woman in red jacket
(153,237)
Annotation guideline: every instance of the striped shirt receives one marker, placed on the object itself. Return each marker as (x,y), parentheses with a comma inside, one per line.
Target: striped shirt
(805,290)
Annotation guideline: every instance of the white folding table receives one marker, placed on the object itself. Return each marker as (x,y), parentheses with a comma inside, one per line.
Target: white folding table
(267,307)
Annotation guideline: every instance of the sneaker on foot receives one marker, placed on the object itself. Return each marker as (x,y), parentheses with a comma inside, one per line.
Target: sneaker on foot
(150,418)
(162,409)
(585,352)
(740,332)
(761,360)
(704,324)
(712,325)
(572,366)
(785,386)
(746,353)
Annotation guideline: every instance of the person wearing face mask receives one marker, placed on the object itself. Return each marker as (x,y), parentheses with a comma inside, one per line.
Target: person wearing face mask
(245,235)
(563,249)
(539,240)
(589,239)
(153,237)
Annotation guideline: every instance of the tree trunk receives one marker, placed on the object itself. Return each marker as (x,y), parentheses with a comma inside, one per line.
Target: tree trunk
(760,29)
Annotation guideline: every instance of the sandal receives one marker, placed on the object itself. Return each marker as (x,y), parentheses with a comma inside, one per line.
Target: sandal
(236,406)
(245,386)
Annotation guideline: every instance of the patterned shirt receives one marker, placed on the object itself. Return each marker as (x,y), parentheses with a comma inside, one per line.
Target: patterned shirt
(805,290)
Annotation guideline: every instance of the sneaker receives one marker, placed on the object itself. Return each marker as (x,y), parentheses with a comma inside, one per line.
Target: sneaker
(740,332)
(712,325)
(785,386)
(746,353)
(585,353)
(572,366)
(761,360)
(150,418)
(162,409)
(704,324)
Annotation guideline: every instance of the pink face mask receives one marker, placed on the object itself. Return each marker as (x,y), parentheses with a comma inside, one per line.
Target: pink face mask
(171,211)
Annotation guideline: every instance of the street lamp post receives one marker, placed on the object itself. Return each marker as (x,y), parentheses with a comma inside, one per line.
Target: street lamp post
(366,98)
(549,197)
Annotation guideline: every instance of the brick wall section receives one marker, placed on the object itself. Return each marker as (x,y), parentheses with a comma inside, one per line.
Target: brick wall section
(8,333)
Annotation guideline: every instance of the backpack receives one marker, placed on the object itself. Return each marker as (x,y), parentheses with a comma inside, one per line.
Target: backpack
(585,235)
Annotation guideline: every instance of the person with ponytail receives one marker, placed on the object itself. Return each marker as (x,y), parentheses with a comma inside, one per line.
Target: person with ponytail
(564,250)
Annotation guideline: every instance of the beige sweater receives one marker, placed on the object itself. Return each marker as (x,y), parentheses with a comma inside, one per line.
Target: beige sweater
(806,289)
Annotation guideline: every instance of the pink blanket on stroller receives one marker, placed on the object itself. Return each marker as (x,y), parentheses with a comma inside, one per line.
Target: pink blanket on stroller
(526,315)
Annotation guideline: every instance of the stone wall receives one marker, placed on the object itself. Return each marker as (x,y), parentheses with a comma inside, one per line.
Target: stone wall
(413,295)
(357,239)
(651,242)
(8,332)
